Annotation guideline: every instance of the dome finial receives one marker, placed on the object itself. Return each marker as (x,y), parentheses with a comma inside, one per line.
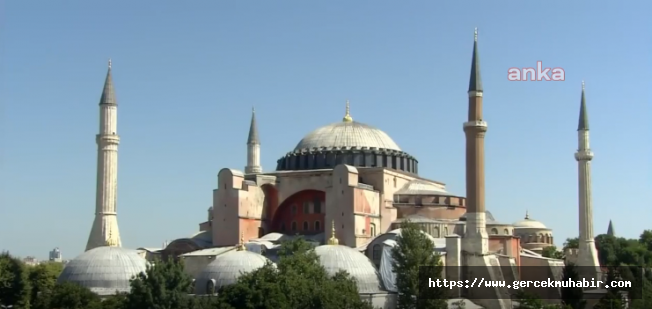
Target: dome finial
(241,246)
(333,240)
(527,215)
(347,116)
(110,242)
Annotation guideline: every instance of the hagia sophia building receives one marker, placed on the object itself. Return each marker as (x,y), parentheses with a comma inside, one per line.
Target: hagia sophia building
(346,187)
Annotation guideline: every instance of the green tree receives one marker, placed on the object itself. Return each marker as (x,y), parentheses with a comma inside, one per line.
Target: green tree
(552,252)
(68,295)
(572,296)
(42,279)
(414,249)
(14,282)
(612,299)
(164,285)
(572,243)
(298,282)
(527,300)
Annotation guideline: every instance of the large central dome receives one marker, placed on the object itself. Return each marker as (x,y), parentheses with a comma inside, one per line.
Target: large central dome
(347,134)
(347,142)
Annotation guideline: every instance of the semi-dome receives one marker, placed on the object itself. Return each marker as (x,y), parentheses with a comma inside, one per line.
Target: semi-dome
(528,223)
(226,269)
(335,258)
(104,270)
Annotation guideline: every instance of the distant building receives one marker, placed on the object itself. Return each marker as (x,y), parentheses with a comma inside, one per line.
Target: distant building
(31,261)
(55,255)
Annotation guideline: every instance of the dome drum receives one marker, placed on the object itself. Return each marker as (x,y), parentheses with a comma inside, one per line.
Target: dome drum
(329,157)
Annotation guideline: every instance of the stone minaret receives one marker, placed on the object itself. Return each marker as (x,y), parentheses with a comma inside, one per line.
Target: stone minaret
(587,256)
(476,238)
(610,229)
(105,226)
(253,147)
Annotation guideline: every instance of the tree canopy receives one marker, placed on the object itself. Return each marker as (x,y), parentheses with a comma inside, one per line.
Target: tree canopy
(297,282)
(413,250)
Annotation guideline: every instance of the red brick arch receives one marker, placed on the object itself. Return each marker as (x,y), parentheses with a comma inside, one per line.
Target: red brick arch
(291,211)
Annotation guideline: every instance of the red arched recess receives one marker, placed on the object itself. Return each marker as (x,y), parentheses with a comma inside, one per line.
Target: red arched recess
(270,204)
(302,213)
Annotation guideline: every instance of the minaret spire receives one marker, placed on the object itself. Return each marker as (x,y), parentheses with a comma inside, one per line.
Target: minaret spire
(333,240)
(610,229)
(253,147)
(475,82)
(587,257)
(105,225)
(347,115)
(476,239)
(584,117)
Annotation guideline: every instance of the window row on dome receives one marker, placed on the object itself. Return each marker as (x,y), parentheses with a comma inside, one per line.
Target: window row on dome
(309,161)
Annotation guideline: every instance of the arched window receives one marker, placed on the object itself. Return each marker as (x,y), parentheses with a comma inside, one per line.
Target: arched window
(306,207)
(317,206)
(294,209)
(372,229)
(210,287)
(282,226)
(294,226)
(305,225)
(436,232)
(317,226)
(541,238)
(376,253)
(506,231)
(192,287)
(494,231)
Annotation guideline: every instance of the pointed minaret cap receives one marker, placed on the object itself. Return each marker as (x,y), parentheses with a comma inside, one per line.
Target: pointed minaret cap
(253,129)
(347,115)
(333,240)
(241,246)
(475,83)
(527,215)
(584,116)
(610,229)
(108,94)
(110,242)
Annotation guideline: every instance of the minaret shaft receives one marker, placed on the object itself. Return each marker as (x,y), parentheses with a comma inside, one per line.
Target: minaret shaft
(476,239)
(105,225)
(587,255)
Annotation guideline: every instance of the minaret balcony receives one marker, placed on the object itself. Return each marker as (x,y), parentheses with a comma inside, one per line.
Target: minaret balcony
(478,125)
(584,155)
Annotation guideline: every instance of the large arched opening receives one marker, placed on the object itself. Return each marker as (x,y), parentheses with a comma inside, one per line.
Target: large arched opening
(302,213)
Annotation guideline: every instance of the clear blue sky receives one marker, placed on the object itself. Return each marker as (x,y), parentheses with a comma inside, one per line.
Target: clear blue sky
(187,75)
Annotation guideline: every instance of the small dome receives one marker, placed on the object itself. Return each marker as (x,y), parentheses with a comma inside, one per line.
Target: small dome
(347,134)
(528,223)
(104,270)
(335,258)
(226,269)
